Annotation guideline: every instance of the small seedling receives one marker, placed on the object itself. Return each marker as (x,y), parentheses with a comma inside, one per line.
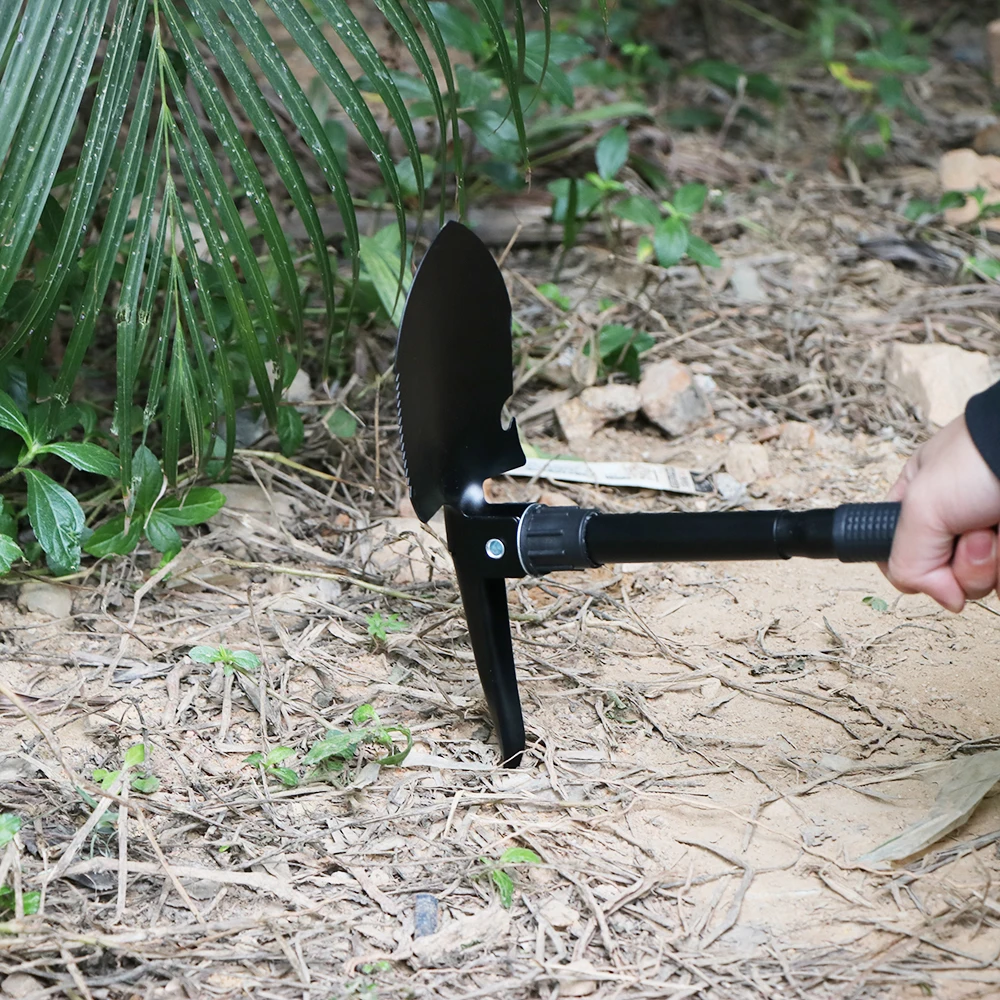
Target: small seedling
(379,627)
(272,762)
(920,210)
(500,878)
(875,603)
(619,348)
(231,659)
(339,746)
(10,823)
(145,782)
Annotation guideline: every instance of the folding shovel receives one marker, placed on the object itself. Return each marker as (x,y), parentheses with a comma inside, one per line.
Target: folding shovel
(453,377)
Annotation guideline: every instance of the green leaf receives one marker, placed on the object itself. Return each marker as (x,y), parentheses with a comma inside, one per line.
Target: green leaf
(342,424)
(875,603)
(285,775)
(206,654)
(57,520)
(163,535)
(8,519)
(985,267)
(505,887)
(12,419)
(702,252)
(147,482)
(518,856)
(458,29)
(690,198)
(245,660)
(10,823)
(336,744)
(135,755)
(392,759)
(195,507)
(670,241)
(147,784)
(88,457)
(381,259)
(364,714)
(612,152)
(111,538)
(277,755)
(635,208)
(291,431)
(10,552)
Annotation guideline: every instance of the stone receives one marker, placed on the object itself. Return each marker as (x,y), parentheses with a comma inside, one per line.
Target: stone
(581,417)
(796,435)
(671,398)
(966,170)
(747,462)
(938,379)
(45,599)
(20,984)
(746,285)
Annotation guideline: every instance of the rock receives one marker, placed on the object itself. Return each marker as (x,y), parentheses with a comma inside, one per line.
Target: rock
(938,379)
(747,462)
(576,979)
(796,435)
(300,391)
(671,399)
(746,285)
(581,417)
(559,914)
(729,487)
(20,984)
(45,599)
(966,170)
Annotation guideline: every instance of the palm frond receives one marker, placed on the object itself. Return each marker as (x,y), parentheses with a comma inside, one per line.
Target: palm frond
(138,209)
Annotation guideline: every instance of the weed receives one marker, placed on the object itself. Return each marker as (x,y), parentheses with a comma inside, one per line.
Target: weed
(619,347)
(921,211)
(231,659)
(144,782)
(379,627)
(272,764)
(498,875)
(875,603)
(669,221)
(876,74)
(10,824)
(337,747)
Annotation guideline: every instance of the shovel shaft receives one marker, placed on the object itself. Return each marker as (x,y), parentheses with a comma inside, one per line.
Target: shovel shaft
(851,533)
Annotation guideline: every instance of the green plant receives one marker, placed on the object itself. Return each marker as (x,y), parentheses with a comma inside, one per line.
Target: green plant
(380,626)
(876,74)
(144,782)
(619,348)
(10,824)
(241,660)
(365,985)
(272,764)
(127,175)
(670,239)
(922,211)
(337,747)
(875,603)
(742,86)
(500,877)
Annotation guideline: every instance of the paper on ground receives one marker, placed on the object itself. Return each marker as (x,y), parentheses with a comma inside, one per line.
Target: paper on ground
(640,475)
(964,783)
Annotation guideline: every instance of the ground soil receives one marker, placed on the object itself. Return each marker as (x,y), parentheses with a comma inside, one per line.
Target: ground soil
(712,746)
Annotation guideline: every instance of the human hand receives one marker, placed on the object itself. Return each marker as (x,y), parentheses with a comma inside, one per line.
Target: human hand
(948,492)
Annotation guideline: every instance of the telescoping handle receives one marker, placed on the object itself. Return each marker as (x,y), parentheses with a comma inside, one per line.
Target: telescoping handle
(556,538)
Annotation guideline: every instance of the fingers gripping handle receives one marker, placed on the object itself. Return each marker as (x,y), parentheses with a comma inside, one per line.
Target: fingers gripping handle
(863,532)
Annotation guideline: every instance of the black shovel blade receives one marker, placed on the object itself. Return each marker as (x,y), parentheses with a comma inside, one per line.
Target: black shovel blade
(453,375)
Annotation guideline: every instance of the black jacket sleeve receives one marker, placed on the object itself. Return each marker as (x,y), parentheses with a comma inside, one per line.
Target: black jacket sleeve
(982,416)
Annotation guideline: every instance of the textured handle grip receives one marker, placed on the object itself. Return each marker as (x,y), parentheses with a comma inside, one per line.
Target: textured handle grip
(863,532)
